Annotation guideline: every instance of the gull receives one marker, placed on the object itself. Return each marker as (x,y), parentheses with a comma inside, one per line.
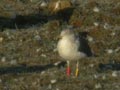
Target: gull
(72,47)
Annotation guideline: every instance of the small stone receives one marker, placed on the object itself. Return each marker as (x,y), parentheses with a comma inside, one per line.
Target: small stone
(16,80)
(37,50)
(96,9)
(114,73)
(103,77)
(55,50)
(106,26)
(43,55)
(3,59)
(1,39)
(91,65)
(34,83)
(96,24)
(98,85)
(37,37)
(0,80)
(90,39)
(49,86)
(43,72)
(43,4)
(55,6)
(113,34)
(95,76)
(13,62)
(57,89)
(57,63)
(109,51)
(117,49)
(53,81)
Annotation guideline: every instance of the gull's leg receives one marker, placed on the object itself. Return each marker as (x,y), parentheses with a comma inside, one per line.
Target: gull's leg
(77,69)
(68,71)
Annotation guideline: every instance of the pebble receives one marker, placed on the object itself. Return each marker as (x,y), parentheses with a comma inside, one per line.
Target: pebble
(96,24)
(57,89)
(103,77)
(55,50)
(3,59)
(113,34)
(96,9)
(13,62)
(49,86)
(90,39)
(114,73)
(98,85)
(37,50)
(91,65)
(109,51)
(57,63)
(58,5)
(117,49)
(1,39)
(34,83)
(106,26)
(95,76)
(0,80)
(53,81)
(43,55)
(43,72)
(16,80)
(43,4)
(37,37)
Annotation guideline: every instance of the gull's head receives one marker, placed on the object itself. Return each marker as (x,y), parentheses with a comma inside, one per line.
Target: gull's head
(66,33)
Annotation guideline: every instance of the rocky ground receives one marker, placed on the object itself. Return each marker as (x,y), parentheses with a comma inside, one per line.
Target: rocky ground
(29,31)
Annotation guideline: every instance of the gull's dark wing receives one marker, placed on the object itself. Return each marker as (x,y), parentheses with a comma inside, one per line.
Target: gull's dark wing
(84,47)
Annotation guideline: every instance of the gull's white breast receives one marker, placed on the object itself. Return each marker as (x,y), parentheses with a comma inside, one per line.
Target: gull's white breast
(68,48)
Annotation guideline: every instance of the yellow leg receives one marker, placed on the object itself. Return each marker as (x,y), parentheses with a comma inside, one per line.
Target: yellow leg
(77,69)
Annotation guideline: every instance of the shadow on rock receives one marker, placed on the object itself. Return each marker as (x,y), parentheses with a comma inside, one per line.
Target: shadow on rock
(109,66)
(22,21)
(28,69)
